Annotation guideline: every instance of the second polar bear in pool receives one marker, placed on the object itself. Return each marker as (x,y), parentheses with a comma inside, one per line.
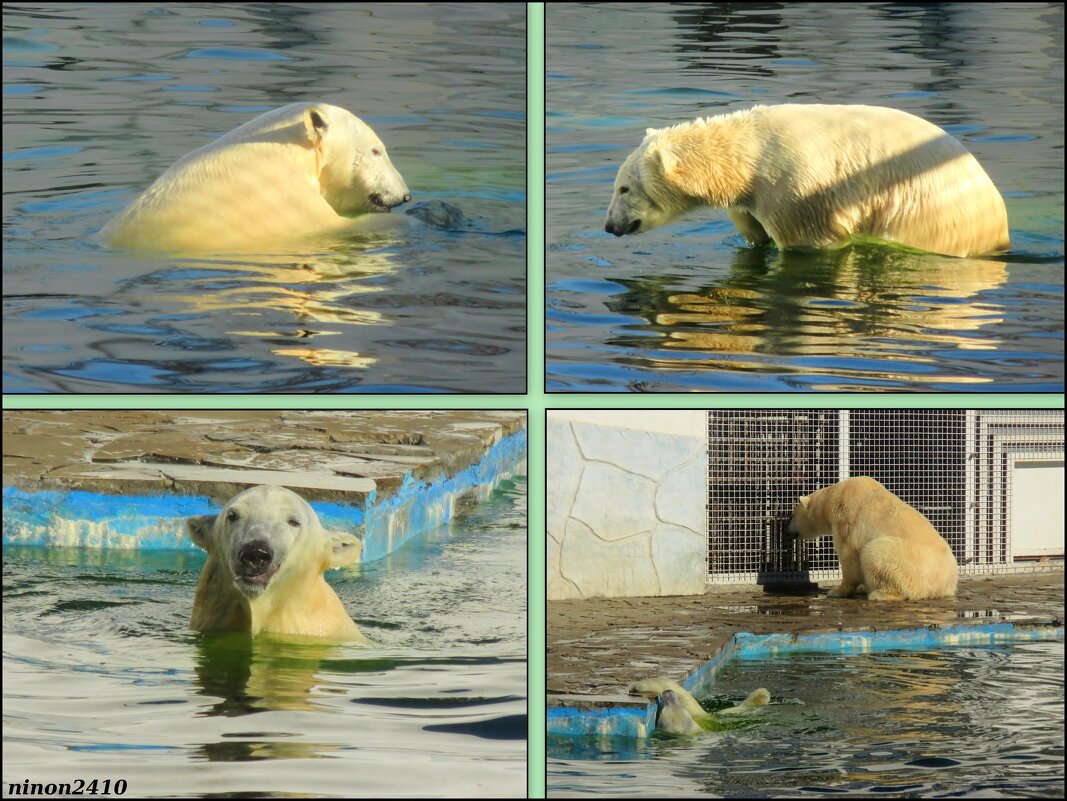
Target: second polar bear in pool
(303,169)
(678,712)
(886,548)
(815,176)
(266,553)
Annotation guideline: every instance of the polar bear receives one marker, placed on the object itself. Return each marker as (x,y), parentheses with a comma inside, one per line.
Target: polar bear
(815,176)
(678,712)
(266,553)
(886,548)
(300,170)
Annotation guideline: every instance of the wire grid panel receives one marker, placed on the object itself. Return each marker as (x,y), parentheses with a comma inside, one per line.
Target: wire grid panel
(952,465)
(759,463)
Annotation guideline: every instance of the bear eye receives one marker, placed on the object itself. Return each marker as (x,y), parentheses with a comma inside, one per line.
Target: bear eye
(294,522)
(232,516)
(377,151)
(623,190)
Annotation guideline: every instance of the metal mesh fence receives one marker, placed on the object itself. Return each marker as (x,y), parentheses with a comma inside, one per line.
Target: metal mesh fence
(957,467)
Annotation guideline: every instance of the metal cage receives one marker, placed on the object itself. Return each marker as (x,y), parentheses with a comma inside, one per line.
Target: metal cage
(957,467)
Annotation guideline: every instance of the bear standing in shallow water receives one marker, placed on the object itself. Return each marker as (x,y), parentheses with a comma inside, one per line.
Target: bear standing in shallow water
(815,176)
(300,170)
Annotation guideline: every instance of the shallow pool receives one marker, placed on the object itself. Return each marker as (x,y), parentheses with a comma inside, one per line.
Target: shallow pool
(691,307)
(103,680)
(100,101)
(959,721)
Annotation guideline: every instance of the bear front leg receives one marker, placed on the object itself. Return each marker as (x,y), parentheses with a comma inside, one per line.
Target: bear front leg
(750,228)
(851,577)
(842,590)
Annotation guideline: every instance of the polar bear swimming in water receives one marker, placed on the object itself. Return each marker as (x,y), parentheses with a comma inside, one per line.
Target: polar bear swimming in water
(266,553)
(680,713)
(300,170)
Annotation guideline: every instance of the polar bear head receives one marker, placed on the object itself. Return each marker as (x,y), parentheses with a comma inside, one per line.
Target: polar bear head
(266,534)
(267,552)
(355,173)
(647,194)
(301,170)
(803,524)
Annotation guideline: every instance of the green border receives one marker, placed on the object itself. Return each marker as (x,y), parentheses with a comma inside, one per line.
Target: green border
(536,401)
(537,767)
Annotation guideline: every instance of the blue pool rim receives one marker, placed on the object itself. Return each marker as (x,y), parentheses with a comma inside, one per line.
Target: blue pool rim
(638,721)
(95,520)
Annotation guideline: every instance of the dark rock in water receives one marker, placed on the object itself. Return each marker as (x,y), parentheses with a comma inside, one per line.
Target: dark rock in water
(439,213)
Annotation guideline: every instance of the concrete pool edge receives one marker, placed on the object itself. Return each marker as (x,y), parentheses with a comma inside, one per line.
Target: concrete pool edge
(72,517)
(632,717)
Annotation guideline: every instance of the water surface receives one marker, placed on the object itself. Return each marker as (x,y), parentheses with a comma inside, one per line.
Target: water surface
(99,101)
(948,722)
(102,679)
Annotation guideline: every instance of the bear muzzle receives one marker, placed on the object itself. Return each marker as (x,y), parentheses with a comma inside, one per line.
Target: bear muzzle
(621,230)
(254,568)
(385,203)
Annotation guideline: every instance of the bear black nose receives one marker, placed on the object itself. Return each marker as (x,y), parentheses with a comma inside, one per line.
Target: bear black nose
(379,201)
(255,557)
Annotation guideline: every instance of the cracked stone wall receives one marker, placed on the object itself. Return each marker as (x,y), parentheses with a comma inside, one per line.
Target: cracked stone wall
(626,508)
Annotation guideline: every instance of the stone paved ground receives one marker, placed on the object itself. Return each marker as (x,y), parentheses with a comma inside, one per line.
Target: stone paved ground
(329,455)
(597,647)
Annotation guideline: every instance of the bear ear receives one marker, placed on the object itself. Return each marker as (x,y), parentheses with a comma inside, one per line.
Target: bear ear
(345,549)
(804,501)
(316,125)
(660,153)
(199,528)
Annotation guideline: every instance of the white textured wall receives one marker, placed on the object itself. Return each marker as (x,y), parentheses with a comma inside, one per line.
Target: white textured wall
(626,507)
(681,422)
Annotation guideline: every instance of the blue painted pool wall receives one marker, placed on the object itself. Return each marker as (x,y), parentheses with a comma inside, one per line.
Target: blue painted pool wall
(420,506)
(80,519)
(630,722)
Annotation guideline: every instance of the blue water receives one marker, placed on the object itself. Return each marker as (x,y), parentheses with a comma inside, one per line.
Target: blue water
(102,679)
(691,307)
(100,100)
(957,721)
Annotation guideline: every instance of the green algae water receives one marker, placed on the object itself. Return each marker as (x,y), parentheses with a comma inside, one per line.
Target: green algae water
(103,680)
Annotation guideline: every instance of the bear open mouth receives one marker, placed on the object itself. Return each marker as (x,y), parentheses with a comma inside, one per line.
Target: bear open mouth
(255,567)
(254,584)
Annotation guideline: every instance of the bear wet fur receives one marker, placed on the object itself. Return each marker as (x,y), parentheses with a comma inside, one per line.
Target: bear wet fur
(815,176)
(297,171)
(678,712)
(267,552)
